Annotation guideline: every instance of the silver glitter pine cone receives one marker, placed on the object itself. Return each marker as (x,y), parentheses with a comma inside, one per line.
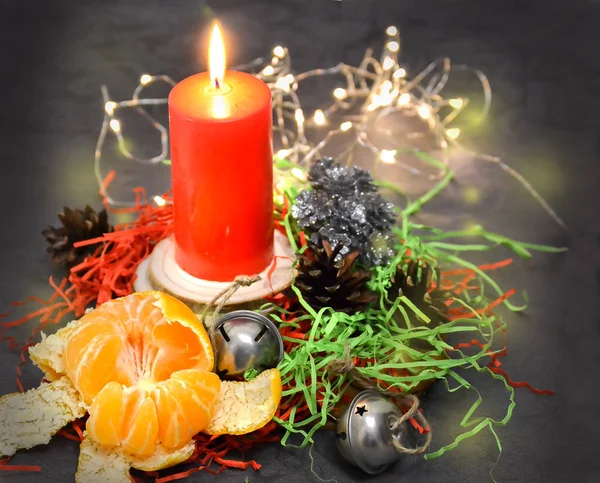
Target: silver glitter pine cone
(245,340)
(345,207)
(364,432)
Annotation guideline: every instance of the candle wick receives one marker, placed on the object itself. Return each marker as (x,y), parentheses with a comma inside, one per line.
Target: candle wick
(217,83)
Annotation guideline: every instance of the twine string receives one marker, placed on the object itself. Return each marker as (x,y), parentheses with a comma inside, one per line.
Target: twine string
(345,366)
(224,295)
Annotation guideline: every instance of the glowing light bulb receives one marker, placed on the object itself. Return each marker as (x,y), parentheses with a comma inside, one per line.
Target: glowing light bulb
(424,111)
(456,103)
(385,98)
(115,125)
(299,115)
(160,201)
(388,156)
(404,99)
(393,46)
(110,107)
(284,83)
(391,31)
(145,79)
(453,132)
(283,153)
(268,70)
(388,63)
(279,51)
(375,102)
(345,126)
(298,174)
(399,73)
(319,117)
(340,93)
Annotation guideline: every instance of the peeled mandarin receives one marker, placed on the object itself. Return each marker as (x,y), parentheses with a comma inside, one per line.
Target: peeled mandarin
(141,364)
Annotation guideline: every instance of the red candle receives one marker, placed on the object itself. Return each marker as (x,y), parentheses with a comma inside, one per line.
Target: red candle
(222,170)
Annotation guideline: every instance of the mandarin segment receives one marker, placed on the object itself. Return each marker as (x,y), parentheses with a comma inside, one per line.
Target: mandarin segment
(98,366)
(140,436)
(200,381)
(195,406)
(87,329)
(173,427)
(106,415)
(195,411)
(184,405)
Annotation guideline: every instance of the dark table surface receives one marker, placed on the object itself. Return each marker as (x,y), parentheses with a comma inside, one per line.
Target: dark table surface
(541,59)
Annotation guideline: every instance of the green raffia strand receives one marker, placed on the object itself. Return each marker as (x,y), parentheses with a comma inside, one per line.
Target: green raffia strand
(384,334)
(250,374)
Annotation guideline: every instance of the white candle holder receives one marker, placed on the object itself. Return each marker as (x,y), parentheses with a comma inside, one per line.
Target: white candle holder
(160,271)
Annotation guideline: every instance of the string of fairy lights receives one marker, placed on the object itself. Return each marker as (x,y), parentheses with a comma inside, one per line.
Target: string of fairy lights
(373,90)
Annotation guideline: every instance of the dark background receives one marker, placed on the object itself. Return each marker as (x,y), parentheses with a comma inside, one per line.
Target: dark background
(541,59)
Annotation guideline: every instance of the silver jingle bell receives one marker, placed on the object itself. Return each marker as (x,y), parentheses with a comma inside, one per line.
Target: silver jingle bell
(364,432)
(245,340)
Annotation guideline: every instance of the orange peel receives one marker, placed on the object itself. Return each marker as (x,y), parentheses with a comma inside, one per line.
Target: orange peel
(31,418)
(244,407)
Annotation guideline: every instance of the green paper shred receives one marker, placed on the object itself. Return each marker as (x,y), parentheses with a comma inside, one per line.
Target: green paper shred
(383,337)
(250,374)
(415,309)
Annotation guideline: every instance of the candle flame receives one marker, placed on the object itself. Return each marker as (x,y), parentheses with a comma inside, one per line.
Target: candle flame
(216,57)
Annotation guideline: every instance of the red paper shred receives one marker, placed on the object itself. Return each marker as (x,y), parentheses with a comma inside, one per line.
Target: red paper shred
(495,364)
(68,435)
(179,476)
(514,384)
(4,466)
(485,268)
(460,313)
(302,236)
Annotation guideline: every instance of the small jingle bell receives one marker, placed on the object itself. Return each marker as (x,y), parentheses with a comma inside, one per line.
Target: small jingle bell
(245,340)
(364,432)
